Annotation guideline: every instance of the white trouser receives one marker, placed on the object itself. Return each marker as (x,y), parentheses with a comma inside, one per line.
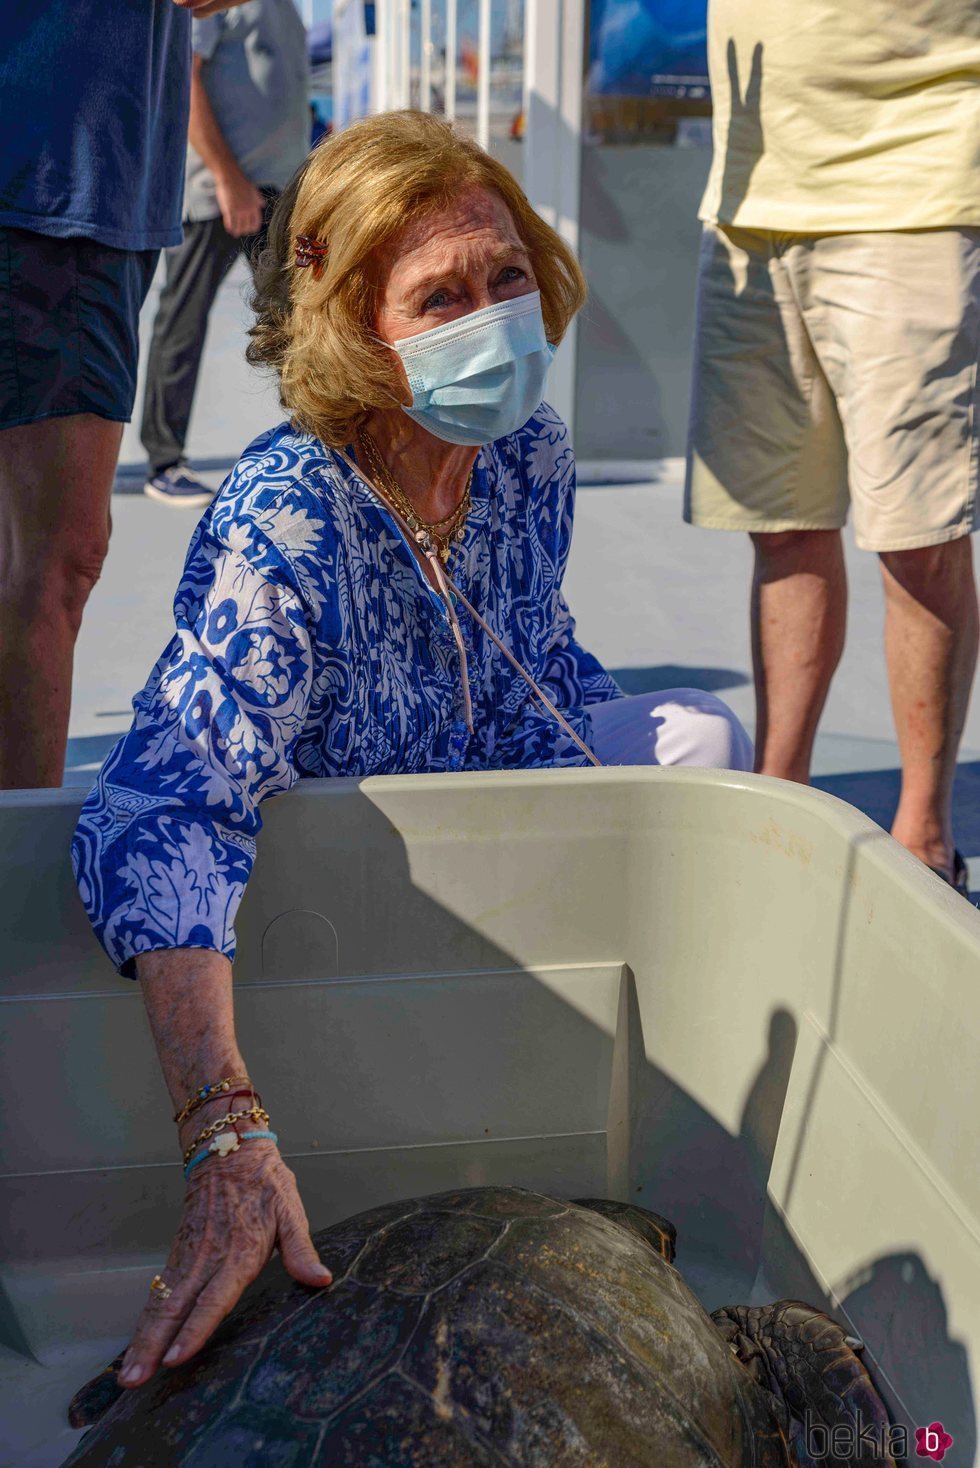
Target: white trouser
(680,726)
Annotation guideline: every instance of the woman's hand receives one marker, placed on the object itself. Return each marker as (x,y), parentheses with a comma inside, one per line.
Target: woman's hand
(237,1210)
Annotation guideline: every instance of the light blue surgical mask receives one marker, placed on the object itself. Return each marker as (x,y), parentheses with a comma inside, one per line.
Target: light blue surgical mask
(481,377)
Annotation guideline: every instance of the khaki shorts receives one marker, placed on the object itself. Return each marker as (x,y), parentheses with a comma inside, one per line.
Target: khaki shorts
(833,369)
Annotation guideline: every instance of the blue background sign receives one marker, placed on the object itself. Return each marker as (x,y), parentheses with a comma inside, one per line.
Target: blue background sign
(648,48)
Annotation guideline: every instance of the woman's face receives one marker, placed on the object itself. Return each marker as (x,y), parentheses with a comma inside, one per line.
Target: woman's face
(465,258)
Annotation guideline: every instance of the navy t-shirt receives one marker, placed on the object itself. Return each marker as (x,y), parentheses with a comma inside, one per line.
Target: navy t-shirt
(94,99)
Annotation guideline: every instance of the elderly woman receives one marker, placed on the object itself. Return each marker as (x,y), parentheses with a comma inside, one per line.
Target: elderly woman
(410,304)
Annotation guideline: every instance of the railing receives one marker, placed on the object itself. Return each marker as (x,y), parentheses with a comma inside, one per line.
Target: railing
(415,60)
(407,27)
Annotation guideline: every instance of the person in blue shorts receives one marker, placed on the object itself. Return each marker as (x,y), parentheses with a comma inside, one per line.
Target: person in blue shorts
(93,116)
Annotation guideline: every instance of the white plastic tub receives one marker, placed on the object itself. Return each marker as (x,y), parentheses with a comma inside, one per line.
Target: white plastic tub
(734,1000)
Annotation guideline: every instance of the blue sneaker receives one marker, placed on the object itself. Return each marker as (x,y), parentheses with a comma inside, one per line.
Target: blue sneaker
(179,485)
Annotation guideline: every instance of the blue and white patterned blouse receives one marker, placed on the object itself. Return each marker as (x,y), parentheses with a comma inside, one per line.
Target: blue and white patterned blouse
(309,642)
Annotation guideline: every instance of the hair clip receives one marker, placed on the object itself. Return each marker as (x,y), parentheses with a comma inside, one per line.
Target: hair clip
(310,252)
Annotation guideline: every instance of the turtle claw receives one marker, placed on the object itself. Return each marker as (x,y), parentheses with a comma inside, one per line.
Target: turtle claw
(93,1400)
(809,1367)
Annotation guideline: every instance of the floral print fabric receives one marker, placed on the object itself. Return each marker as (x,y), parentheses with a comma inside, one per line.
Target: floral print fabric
(308,642)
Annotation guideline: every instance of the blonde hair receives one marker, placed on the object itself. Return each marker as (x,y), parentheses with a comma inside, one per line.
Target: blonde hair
(356,192)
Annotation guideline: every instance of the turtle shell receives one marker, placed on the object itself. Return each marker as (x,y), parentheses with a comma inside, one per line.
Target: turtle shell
(482,1327)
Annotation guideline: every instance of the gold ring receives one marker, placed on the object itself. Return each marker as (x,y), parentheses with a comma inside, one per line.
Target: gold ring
(159,1287)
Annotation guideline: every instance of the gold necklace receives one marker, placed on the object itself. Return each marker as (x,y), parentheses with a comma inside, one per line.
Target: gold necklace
(404,504)
(444,532)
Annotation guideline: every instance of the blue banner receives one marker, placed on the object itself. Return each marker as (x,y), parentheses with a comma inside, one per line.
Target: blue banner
(648,48)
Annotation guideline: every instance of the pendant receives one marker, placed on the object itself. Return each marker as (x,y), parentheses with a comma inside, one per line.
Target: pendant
(224,1144)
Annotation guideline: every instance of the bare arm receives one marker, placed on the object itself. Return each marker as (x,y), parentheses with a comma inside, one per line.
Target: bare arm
(189,1003)
(238,1208)
(203,132)
(240,202)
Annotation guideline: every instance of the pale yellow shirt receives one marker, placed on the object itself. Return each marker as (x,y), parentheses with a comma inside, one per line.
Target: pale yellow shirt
(844,114)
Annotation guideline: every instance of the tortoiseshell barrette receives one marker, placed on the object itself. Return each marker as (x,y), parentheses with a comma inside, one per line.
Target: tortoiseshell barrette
(310,252)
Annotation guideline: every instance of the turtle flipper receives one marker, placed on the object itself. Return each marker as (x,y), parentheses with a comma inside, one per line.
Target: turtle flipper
(652,1228)
(94,1399)
(809,1363)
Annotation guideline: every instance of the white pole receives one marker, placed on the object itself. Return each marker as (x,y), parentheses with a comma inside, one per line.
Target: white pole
(405,53)
(377,78)
(394,53)
(393,9)
(452,47)
(553,86)
(394,12)
(380,48)
(483,79)
(382,54)
(425,71)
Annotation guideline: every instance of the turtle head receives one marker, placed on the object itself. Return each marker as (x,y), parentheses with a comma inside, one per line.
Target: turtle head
(657,1232)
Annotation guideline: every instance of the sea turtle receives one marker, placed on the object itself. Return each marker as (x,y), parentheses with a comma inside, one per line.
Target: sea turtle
(489,1326)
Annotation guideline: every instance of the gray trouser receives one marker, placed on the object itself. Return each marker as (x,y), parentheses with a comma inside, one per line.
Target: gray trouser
(195,269)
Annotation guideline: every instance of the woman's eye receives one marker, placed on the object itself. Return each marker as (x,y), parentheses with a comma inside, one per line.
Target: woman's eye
(437,301)
(510,273)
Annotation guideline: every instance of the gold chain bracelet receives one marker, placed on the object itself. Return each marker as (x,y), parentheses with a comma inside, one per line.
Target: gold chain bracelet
(255,1112)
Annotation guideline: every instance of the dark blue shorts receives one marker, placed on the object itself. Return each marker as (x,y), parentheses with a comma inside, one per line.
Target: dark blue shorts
(69,326)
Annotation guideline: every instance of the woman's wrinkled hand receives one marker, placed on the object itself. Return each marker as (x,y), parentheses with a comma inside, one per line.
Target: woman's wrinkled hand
(237,1210)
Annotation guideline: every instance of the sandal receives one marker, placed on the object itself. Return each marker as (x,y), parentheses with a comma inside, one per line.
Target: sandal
(960,880)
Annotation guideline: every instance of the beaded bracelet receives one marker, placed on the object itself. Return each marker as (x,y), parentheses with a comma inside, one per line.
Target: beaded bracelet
(205,1093)
(213,1149)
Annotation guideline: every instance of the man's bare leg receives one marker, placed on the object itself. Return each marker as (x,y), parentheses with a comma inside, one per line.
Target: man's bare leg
(931,631)
(799,612)
(55,487)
